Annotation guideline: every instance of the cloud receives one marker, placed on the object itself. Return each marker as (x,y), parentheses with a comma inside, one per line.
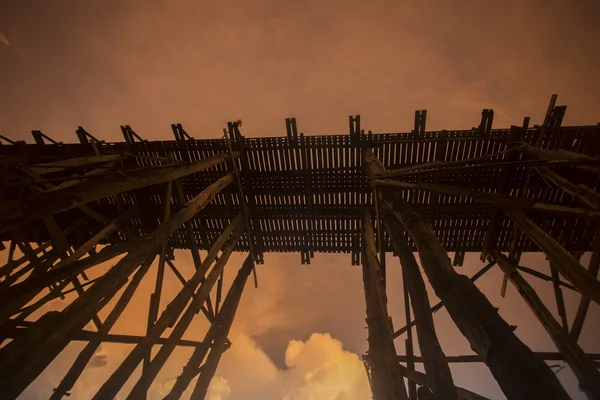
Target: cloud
(316,369)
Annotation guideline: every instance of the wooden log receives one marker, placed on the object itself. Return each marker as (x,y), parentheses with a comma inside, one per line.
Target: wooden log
(490,198)
(583,367)
(154,367)
(36,349)
(584,194)
(160,272)
(90,349)
(40,205)
(224,320)
(584,303)
(514,366)
(385,372)
(444,165)
(567,265)
(113,385)
(436,366)
(424,380)
(440,304)
(220,342)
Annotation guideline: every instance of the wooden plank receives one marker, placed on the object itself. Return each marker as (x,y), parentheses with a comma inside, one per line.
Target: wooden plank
(583,367)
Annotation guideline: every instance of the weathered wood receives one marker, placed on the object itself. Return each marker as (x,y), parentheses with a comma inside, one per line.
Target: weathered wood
(443,165)
(514,366)
(160,273)
(38,347)
(154,367)
(436,366)
(224,320)
(505,201)
(113,385)
(40,205)
(439,305)
(56,166)
(562,154)
(584,303)
(385,372)
(424,380)
(584,194)
(474,358)
(220,341)
(583,368)
(90,349)
(567,265)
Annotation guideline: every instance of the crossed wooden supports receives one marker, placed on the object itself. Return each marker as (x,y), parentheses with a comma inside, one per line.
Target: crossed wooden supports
(519,372)
(36,344)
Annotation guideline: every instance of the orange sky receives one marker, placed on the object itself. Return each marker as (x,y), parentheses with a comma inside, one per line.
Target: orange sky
(152,63)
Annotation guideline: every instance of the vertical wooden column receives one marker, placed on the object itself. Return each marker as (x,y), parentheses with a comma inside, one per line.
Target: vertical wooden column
(386,376)
(583,367)
(434,359)
(520,374)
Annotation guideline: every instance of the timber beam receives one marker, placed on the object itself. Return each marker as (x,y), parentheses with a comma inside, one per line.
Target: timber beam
(583,367)
(386,376)
(48,203)
(518,372)
(38,347)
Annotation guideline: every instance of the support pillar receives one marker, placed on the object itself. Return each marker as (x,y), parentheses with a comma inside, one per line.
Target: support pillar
(36,349)
(386,377)
(583,367)
(436,367)
(219,329)
(519,373)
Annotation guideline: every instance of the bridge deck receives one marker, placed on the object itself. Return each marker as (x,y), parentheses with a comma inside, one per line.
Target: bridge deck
(305,193)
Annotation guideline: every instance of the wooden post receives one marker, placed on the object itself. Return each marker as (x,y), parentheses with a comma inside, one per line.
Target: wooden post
(48,203)
(220,342)
(220,326)
(567,265)
(90,349)
(385,371)
(583,368)
(113,385)
(436,366)
(154,367)
(38,347)
(518,372)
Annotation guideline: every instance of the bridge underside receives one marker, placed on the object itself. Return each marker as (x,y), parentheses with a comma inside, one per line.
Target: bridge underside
(499,192)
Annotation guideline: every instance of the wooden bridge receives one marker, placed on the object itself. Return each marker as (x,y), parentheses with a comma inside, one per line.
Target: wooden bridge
(492,191)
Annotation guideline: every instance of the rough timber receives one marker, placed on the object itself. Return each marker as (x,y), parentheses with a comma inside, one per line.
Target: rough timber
(483,190)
